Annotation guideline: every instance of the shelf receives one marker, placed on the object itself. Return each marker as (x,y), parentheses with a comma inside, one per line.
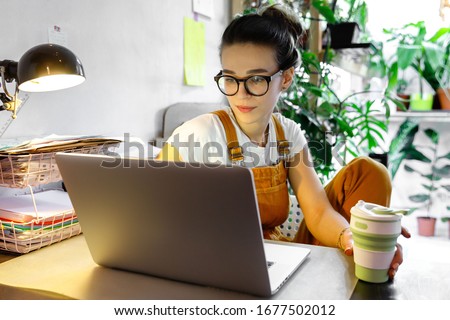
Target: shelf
(428,116)
(355,49)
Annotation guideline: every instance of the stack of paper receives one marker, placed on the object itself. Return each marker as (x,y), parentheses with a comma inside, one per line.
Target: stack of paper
(52,204)
(55,143)
(27,225)
(32,162)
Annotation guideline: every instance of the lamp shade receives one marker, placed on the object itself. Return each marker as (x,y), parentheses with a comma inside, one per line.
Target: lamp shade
(49,67)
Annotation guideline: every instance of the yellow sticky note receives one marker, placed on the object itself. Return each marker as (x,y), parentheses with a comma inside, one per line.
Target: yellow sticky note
(194,52)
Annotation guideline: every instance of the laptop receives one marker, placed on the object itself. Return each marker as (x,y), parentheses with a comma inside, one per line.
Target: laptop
(194,223)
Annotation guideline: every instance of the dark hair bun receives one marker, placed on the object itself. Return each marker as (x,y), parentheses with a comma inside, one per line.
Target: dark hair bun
(288,18)
(274,26)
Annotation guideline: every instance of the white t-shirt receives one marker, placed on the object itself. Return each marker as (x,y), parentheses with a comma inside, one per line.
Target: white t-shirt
(203,139)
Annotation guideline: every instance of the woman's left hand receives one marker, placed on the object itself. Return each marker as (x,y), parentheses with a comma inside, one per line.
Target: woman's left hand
(398,257)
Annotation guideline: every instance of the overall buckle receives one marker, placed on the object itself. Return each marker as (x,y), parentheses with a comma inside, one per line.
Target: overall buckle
(236,154)
(283,148)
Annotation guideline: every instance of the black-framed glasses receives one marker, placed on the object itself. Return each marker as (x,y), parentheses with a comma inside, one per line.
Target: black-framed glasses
(255,85)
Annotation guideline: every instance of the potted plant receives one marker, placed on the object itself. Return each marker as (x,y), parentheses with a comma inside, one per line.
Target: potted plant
(426,56)
(431,170)
(345,20)
(443,79)
(362,54)
(436,66)
(403,96)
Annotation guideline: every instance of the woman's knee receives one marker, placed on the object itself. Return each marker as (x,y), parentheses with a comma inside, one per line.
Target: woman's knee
(374,169)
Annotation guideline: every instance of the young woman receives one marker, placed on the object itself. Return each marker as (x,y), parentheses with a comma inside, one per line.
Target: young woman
(259,56)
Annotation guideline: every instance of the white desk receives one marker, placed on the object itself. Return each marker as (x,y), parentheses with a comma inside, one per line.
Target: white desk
(66,270)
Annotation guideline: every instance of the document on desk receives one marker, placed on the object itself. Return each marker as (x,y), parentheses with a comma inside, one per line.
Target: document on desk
(51,205)
(53,143)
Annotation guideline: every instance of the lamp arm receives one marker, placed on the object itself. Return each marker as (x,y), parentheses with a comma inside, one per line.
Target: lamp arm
(8,73)
(5,78)
(11,105)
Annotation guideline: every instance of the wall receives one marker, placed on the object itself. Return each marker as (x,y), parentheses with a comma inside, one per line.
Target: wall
(132,52)
(394,14)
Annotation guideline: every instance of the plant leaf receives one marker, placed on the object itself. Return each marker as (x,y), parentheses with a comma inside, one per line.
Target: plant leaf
(345,126)
(402,141)
(430,188)
(431,177)
(412,153)
(443,172)
(441,32)
(406,55)
(447,156)
(432,134)
(409,169)
(324,9)
(419,198)
(435,54)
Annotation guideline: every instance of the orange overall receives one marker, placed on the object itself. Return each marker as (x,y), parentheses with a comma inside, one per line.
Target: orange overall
(270,182)
(361,179)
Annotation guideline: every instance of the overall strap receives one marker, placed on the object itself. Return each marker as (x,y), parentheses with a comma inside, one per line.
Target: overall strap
(235,150)
(282,143)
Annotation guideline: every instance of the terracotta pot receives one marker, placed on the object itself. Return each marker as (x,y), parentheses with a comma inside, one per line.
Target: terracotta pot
(426,226)
(405,100)
(443,98)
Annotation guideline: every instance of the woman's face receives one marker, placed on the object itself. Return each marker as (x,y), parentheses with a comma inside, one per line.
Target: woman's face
(242,61)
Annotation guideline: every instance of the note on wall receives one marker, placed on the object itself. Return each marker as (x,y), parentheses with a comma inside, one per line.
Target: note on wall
(194,52)
(204,7)
(57,36)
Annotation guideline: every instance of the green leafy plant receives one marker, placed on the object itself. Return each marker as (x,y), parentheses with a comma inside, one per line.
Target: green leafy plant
(300,104)
(428,56)
(371,130)
(336,128)
(431,170)
(402,148)
(346,21)
(342,11)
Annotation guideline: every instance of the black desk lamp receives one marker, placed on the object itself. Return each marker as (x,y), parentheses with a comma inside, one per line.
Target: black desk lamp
(45,67)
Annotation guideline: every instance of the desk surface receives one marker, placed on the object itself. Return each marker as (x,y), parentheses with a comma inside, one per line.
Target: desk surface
(66,270)
(424,274)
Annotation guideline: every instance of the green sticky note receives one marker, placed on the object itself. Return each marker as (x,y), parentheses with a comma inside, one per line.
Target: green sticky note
(194,52)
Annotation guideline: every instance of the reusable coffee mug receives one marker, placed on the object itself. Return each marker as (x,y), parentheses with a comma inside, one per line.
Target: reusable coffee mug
(375,231)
